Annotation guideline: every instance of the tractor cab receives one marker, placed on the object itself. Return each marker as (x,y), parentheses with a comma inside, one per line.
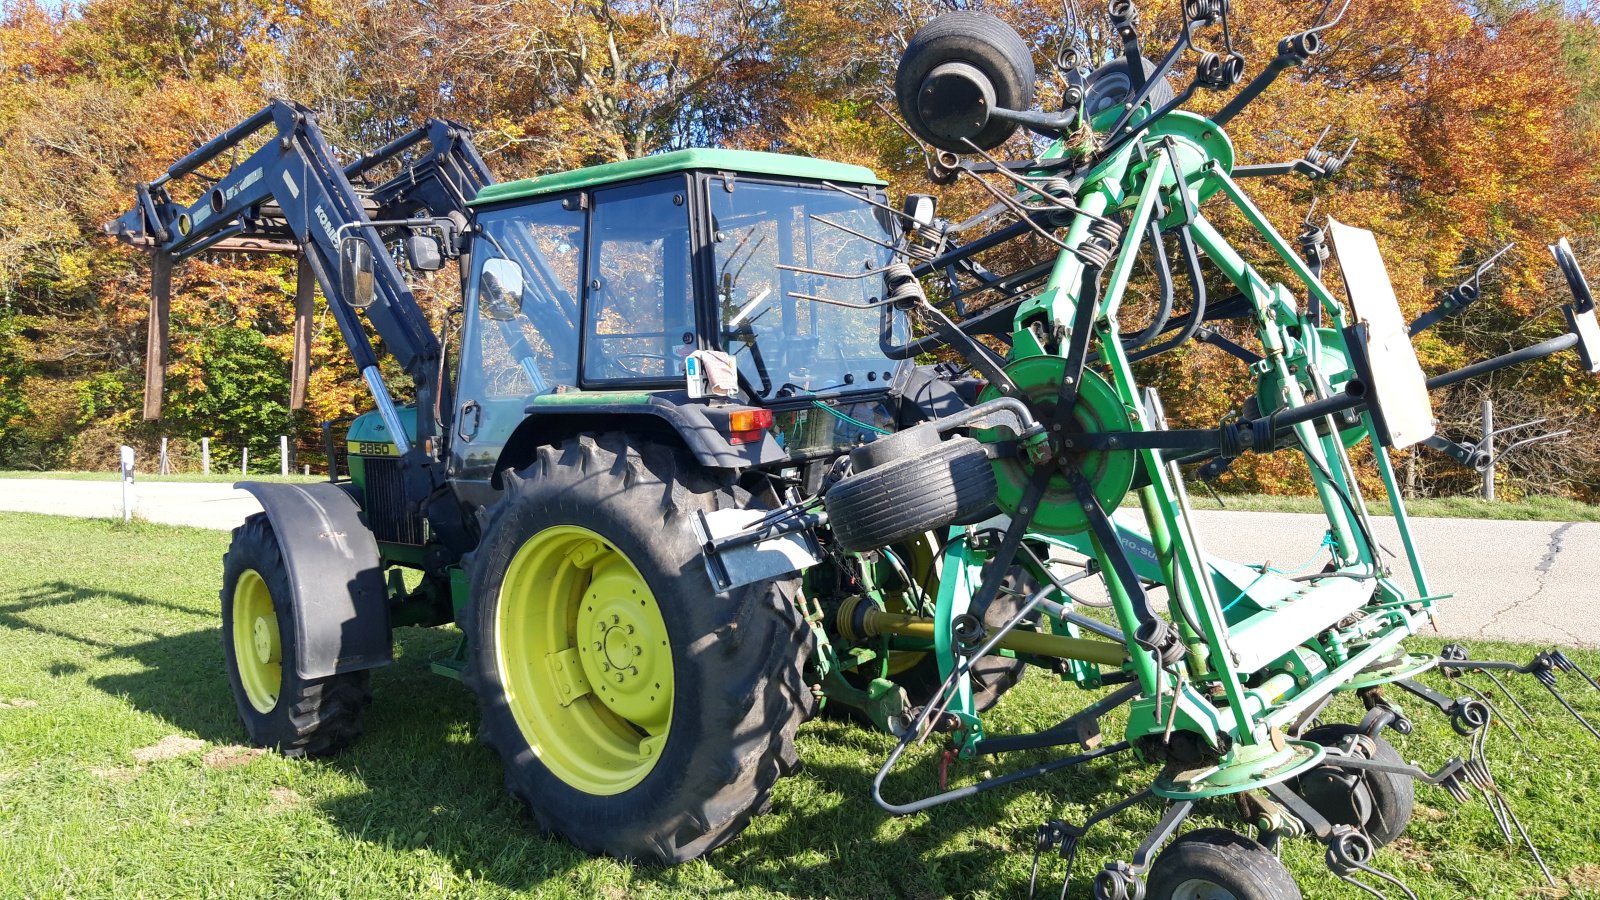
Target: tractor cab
(587,292)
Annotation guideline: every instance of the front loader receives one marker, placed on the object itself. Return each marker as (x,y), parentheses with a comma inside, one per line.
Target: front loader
(681,479)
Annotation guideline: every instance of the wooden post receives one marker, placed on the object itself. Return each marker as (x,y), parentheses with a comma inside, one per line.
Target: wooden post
(166,466)
(205,456)
(300,367)
(156,340)
(283,455)
(244,461)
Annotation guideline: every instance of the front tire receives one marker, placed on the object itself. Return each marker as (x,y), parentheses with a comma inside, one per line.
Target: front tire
(639,713)
(293,715)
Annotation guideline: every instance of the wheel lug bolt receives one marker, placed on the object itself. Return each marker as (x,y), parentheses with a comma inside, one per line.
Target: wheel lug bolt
(638,651)
(630,629)
(597,645)
(619,678)
(615,619)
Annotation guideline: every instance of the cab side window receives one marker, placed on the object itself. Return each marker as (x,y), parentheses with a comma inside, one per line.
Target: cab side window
(639,321)
(521,334)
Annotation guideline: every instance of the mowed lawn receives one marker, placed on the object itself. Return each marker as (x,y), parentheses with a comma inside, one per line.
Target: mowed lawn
(122,774)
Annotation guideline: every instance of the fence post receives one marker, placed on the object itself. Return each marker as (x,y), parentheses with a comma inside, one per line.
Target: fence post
(128,499)
(244,461)
(205,456)
(1488,445)
(283,455)
(166,467)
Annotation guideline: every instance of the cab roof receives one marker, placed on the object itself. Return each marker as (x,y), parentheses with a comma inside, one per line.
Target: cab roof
(739,162)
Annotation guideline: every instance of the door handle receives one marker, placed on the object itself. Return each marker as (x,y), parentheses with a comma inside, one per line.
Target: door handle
(471,418)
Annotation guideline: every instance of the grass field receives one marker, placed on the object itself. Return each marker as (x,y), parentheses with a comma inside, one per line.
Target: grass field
(121,775)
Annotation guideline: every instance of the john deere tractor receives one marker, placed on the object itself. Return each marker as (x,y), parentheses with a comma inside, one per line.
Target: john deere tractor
(675,472)
(547,478)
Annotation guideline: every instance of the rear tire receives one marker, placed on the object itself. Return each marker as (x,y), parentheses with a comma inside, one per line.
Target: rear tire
(293,715)
(686,714)
(1109,86)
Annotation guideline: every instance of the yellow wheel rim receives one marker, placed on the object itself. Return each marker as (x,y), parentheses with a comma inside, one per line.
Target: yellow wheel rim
(584,659)
(257,646)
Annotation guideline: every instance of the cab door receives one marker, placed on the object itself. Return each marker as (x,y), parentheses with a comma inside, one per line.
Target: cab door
(521,331)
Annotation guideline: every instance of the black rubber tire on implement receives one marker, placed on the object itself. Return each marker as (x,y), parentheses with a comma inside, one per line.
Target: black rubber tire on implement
(1109,85)
(947,483)
(736,657)
(993,675)
(1394,797)
(981,41)
(1230,861)
(312,716)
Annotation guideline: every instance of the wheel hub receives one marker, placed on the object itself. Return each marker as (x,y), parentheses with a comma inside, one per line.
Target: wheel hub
(257,646)
(264,636)
(585,658)
(1201,889)
(1109,472)
(621,649)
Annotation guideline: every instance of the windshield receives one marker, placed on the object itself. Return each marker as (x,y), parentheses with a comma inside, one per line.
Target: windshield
(786,345)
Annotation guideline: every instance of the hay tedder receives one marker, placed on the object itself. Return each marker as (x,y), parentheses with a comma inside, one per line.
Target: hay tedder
(681,479)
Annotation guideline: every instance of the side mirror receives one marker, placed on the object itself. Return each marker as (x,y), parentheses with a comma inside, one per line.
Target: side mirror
(1580,312)
(355,271)
(500,290)
(424,253)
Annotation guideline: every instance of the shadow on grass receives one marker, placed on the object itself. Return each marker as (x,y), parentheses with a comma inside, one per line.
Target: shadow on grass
(182,680)
(425,783)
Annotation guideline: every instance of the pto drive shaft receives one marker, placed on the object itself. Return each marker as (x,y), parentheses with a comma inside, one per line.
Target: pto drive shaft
(859,619)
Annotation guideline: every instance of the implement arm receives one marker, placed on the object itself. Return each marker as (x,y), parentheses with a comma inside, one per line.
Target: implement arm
(292,196)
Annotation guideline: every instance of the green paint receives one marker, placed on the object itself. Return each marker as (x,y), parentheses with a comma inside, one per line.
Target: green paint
(739,162)
(593,398)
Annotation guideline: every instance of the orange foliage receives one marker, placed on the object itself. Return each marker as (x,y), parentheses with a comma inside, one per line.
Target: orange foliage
(1478,126)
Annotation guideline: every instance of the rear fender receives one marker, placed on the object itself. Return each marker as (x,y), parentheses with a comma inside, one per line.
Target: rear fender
(340,602)
(699,429)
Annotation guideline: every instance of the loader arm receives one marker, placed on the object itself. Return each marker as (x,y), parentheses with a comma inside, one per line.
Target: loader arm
(293,196)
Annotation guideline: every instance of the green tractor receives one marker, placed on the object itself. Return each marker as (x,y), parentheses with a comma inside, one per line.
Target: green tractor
(676,474)
(546,486)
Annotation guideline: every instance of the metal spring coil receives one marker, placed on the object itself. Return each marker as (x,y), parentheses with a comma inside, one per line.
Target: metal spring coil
(926,242)
(1053,186)
(902,285)
(1104,236)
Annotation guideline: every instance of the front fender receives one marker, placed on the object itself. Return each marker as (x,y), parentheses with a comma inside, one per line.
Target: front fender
(340,602)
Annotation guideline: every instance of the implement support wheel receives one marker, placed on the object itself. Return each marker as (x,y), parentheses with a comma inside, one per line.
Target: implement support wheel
(1218,864)
(639,712)
(1378,803)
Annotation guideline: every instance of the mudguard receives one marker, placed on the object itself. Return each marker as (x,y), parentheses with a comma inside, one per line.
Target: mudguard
(340,602)
(696,425)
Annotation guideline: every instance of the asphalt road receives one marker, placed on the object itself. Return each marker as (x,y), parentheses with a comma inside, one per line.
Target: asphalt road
(205,505)
(1518,581)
